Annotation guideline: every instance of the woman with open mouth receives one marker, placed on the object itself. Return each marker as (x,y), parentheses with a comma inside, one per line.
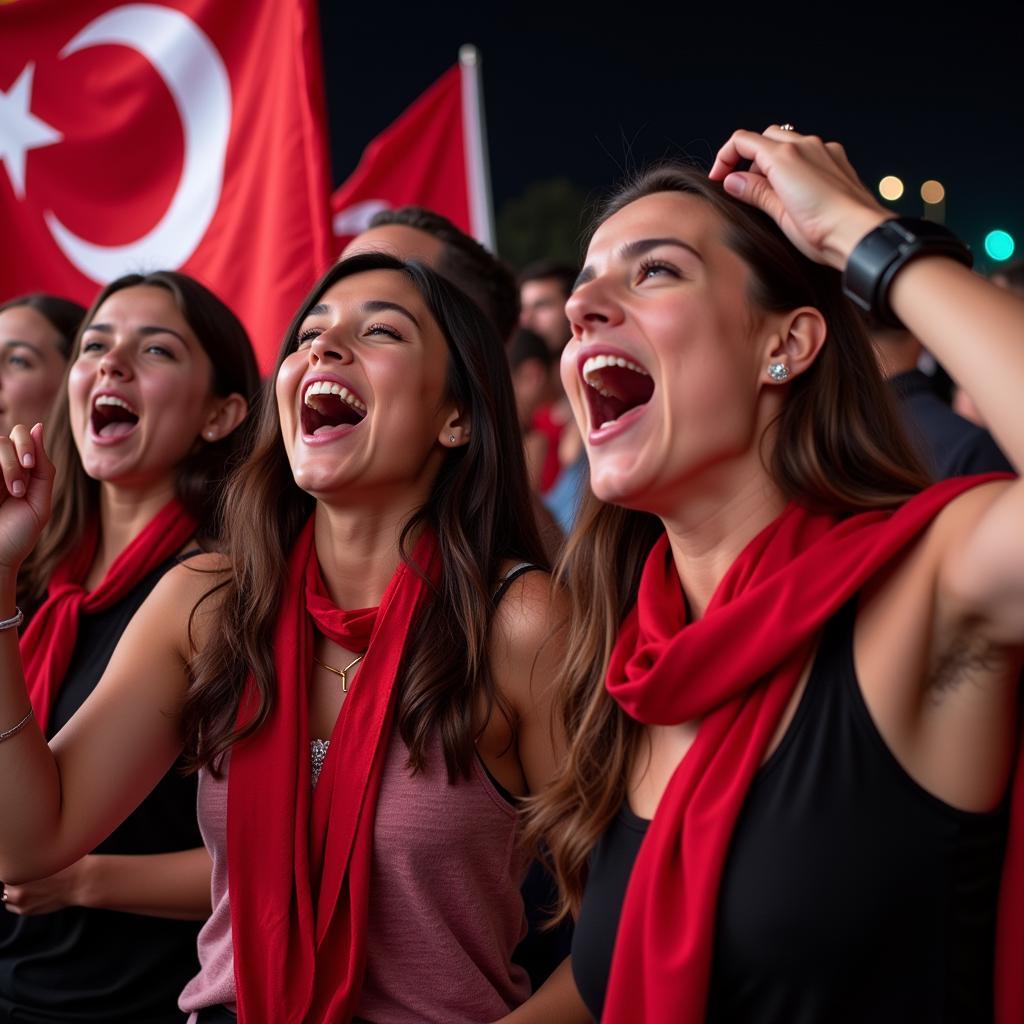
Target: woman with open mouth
(142,435)
(363,679)
(793,665)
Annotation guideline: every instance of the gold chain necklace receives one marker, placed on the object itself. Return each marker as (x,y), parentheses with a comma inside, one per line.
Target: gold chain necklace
(342,673)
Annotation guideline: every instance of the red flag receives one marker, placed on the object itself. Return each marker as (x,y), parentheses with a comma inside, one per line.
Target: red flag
(184,134)
(432,156)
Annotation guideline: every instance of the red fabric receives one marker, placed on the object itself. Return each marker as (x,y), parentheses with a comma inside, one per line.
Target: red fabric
(185,118)
(735,669)
(544,423)
(48,643)
(299,859)
(419,159)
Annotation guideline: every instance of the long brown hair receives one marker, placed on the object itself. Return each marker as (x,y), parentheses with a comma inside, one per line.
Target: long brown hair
(839,447)
(201,474)
(478,506)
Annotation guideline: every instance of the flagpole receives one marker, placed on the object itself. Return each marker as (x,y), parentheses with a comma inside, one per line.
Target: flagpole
(481,208)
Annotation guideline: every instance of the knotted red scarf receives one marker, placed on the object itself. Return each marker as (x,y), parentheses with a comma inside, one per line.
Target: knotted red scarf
(298,859)
(735,669)
(49,642)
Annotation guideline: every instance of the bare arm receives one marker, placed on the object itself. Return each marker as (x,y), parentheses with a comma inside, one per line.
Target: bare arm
(170,885)
(527,647)
(58,801)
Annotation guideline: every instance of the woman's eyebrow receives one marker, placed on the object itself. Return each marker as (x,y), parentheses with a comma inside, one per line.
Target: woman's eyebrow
(145,330)
(13,343)
(633,250)
(382,305)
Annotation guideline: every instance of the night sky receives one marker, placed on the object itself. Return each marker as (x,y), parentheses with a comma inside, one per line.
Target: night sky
(571,95)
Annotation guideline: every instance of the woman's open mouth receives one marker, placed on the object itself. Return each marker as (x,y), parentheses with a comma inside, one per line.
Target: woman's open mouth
(616,386)
(112,418)
(328,406)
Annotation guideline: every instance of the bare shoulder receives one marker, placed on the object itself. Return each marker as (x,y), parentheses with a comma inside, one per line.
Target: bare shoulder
(527,636)
(186,600)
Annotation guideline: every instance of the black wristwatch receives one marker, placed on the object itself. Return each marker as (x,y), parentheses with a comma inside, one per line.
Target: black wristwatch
(881,253)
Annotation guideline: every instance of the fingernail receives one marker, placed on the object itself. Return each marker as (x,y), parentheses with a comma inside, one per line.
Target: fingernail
(28,460)
(18,488)
(734,185)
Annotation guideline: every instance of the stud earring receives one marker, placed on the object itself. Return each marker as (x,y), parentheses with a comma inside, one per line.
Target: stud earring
(779,372)
(451,439)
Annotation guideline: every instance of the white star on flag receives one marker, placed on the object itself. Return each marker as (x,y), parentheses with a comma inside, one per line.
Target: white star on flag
(21,130)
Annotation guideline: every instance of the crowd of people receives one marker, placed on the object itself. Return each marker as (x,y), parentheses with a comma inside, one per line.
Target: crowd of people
(637,641)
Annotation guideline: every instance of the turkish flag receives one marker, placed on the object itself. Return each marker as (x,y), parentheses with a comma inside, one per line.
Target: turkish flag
(185,134)
(433,156)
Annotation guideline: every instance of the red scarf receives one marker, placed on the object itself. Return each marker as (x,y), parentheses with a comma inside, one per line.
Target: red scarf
(298,859)
(736,669)
(49,642)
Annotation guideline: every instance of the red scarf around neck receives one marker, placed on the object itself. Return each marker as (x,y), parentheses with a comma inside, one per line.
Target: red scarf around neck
(49,642)
(736,669)
(299,859)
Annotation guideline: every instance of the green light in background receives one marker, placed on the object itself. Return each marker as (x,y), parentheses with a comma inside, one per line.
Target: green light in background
(999,245)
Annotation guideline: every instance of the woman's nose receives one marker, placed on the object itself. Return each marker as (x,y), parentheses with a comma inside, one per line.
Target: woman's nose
(329,346)
(592,304)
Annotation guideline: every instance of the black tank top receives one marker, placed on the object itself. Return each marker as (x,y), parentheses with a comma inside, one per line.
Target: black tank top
(849,895)
(84,965)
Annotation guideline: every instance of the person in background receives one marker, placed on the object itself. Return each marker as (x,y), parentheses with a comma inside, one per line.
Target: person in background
(415,233)
(36,334)
(142,434)
(948,444)
(543,289)
(529,361)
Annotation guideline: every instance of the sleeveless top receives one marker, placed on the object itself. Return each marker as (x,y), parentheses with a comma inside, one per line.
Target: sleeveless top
(107,967)
(849,894)
(446,912)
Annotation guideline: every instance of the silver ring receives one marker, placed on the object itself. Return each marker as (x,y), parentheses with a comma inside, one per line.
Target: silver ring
(787,127)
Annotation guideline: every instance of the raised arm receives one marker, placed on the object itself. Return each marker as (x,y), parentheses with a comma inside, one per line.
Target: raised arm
(58,800)
(975,330)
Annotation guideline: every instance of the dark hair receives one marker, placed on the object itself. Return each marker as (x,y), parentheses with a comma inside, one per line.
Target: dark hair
(63,315)
(839,447)
(200,476)
(479,507)
(550,270)
(466,263)
(527,344)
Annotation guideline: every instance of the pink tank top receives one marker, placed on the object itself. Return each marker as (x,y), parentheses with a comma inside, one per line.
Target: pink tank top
(445,907)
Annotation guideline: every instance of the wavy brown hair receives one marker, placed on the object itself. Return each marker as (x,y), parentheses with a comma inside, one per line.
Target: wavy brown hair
(839,448)
(200,477)
(479,508)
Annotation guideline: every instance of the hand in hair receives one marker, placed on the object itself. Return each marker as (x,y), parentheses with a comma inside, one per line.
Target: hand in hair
(807,186)
(25,495)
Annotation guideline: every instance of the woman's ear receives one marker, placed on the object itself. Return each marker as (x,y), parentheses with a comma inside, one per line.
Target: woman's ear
(794,344)
(455,431)
(226,414)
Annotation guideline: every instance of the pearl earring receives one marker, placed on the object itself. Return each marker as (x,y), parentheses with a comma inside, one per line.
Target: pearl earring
(779,372)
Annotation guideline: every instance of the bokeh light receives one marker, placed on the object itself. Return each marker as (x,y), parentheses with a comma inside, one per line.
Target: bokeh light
(890,187)
(999,245)
(933,192)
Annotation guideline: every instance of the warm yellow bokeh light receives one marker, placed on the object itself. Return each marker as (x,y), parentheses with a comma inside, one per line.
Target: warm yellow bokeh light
(890,187)
(932,192)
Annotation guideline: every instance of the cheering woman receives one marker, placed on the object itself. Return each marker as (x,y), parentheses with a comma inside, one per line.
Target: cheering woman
(143,434)
(792,680)
(362,681)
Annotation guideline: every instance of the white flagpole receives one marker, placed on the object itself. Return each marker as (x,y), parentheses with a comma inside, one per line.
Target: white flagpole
(481,209)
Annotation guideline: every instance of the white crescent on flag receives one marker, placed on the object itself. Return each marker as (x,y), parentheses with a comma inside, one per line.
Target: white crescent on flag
(195,75)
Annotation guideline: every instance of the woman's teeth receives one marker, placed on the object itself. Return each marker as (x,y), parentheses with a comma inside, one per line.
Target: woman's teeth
(593,366)
(326,387)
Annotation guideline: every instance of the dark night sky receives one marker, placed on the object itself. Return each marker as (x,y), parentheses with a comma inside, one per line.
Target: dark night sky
(569,94)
